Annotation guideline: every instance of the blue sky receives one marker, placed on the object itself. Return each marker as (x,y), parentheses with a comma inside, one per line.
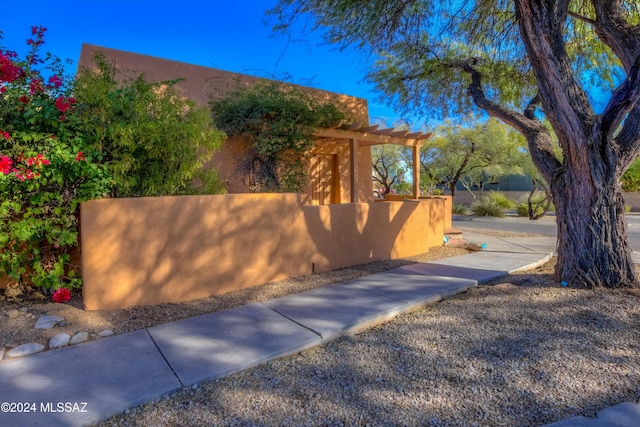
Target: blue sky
(224,34)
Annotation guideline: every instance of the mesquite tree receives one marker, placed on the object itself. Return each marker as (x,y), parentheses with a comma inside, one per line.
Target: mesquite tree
(523,62)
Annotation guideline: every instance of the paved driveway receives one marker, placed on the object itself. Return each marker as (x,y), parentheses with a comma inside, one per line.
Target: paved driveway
(544,227)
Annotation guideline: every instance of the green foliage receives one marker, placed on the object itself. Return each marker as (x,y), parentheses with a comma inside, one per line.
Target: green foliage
(492,204)
(427,48)
(538,204)
(402,187)
(46,170)
(388,165)
(273,125)
(153,141)
(459,209)
(500,199)
(471,153)
(631,179)
(486,206)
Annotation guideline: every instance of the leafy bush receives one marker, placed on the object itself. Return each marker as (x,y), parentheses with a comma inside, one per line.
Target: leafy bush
(486,206)
(630,180)
(46,170)
(538,204)
(277,123)
(62,144)
(459,209)
(152,141)
(500,199)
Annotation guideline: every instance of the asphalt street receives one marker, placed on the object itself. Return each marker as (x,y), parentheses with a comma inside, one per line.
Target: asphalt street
(544,227)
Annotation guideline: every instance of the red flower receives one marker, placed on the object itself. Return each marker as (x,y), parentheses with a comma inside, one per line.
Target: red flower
(61,295)
(80,156)
(55,81)
(8,70)
(62,104)
(5,165)
(24,99)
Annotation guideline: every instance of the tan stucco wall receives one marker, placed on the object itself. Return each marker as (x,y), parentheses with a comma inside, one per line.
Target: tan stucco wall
(147,251)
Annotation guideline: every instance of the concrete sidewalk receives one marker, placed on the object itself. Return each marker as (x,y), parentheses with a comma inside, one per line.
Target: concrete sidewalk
(90,382)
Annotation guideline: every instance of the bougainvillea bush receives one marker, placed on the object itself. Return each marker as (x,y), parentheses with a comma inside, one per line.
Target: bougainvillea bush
(46,170)
(66,140)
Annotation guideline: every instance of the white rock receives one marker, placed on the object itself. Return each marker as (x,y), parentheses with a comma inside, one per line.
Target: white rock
(2,350)
(25,350)
(48,322)
(12,314)
(106,333)
(78,338)
(60,340)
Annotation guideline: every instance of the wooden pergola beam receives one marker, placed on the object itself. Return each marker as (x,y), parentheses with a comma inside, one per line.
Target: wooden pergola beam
(369,138)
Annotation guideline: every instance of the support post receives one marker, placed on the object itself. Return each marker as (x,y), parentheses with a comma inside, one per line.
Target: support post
(353,169)
(416,170)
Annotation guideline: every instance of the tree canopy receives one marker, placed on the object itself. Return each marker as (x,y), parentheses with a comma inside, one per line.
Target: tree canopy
(520,61)
(471,154)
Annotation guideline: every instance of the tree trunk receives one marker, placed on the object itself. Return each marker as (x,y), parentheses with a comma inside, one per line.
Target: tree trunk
(593,248)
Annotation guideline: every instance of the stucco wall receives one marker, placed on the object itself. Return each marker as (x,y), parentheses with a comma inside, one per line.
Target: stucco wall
(147,251)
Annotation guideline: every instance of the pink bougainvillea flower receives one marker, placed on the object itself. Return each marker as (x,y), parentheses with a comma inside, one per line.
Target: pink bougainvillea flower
(80,156)
(55,81)
(61,295)
(37,161)
(8,70)
(5,165)
(62,104)
(35,86)
(5,135)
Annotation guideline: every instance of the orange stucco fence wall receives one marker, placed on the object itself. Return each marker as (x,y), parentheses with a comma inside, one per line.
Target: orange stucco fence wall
(147,251)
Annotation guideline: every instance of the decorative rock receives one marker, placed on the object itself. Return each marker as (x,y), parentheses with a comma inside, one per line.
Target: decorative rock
(106,333)
(60,340)
(12,314)
(79,337)
(2,350)
(48,322)
(23,309)
(25,350)
(11,344)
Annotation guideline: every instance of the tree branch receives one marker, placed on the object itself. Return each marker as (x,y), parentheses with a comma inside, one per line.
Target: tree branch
(532,106)
(622,101)
(565,103)
(614,31)
(538,138)
(582,18)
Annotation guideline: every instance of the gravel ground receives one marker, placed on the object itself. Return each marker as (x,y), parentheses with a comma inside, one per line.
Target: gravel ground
(519,352)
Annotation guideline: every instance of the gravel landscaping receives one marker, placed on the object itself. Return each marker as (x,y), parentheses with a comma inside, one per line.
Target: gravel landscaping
(522,351)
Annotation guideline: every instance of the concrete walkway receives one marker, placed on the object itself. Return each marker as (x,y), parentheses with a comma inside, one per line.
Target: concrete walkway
(90,382)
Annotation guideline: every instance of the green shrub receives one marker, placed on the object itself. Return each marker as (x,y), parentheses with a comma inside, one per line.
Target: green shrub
(500,199)
(278,122)
(486,206)
(152,141)
(538,204)
(523,209)
(46,170)
(459,209)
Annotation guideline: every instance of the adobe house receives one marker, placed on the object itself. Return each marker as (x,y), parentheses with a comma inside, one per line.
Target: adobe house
(340,169)
(153,250)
